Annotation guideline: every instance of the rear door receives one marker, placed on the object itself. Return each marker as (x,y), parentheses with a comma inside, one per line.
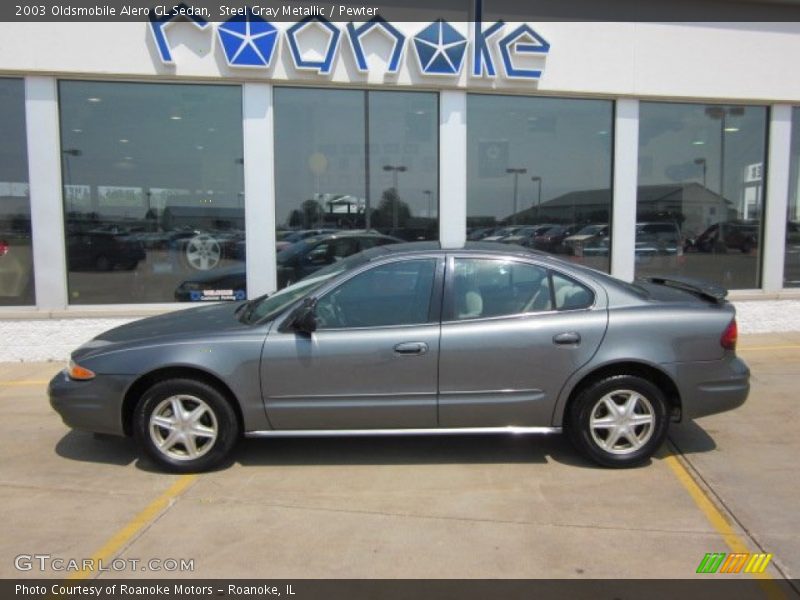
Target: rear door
(513,331)
(372,362)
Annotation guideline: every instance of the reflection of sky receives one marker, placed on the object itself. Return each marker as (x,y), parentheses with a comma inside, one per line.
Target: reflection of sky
(125,139)
(673,136)
(320,146)
(565,142)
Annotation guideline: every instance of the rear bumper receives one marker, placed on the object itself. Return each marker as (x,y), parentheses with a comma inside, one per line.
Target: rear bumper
(94,405)
(711,387)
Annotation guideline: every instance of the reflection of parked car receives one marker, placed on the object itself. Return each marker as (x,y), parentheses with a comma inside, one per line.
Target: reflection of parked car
(306,256)
(16,266)
(502,233)
(575,243)
(728,235)
(552,240)
(526,235)
(295,262)
(389,341)
(295,236)
(103,250)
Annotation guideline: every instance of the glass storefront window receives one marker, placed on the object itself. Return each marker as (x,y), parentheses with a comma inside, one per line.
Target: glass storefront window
(539,174)
(701,191)
(16,254)
(354,166)
(153,192)
(791,269)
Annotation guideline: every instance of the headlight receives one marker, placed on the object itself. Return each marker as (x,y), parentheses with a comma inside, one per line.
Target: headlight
(75,371)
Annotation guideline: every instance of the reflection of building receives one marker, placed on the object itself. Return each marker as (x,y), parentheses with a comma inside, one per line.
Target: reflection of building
(690,205)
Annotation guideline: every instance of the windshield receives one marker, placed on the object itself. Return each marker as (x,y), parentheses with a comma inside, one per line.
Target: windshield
(269,307)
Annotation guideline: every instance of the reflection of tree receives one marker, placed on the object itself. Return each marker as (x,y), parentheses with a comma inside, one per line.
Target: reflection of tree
(391,208)
(307,216)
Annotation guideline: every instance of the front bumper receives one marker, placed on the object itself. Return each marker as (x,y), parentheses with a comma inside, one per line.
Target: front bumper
(712,387)
(94,405)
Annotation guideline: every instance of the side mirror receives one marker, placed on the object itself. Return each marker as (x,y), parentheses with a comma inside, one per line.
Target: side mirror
(305,320)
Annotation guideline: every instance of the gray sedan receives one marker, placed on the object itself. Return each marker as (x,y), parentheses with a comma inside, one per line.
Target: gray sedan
(415,339)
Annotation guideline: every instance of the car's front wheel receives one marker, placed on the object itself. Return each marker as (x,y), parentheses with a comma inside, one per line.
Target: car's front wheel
(619,421)
(185,425)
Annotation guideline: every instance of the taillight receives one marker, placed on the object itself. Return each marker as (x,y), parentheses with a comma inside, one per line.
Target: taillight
(729,336)
(3,247)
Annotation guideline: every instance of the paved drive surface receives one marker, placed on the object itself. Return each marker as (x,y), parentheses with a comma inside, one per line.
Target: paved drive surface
(449,507)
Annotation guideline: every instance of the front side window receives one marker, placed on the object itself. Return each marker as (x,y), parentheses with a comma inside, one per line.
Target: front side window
(494,288)
(153,191)
(700,198)
(16,254)
(394,294)
(543,162)
(791,269)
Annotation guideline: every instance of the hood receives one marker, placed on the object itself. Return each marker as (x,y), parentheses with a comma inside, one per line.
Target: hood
(202,320)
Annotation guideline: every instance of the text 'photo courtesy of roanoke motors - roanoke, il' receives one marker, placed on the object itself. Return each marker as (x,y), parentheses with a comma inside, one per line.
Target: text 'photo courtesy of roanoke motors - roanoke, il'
(465,298)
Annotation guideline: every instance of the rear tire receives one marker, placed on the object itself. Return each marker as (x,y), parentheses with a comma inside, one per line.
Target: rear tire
(185,426)
(619,421)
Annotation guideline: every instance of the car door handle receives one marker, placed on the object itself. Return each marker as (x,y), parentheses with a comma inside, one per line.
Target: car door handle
(567,338)
(411,348)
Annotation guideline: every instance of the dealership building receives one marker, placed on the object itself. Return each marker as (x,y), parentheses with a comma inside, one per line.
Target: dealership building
(139,158)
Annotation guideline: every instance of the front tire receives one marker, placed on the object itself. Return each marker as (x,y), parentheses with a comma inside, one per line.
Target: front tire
(186,426)
(619,421)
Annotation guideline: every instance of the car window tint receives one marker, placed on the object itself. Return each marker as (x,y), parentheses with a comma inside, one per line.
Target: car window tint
(398,293)
(569,294)
(492,288)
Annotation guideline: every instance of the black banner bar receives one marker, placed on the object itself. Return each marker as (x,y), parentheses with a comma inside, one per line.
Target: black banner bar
(404,10)
(715,586)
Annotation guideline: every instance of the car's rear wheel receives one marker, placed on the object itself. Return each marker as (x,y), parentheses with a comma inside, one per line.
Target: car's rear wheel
(185,425)
(619,421)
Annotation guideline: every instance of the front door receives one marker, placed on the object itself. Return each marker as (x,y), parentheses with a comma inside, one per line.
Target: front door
(373,361)
(512,333)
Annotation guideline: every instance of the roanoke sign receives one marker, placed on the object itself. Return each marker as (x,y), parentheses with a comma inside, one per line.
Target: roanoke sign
(249,41)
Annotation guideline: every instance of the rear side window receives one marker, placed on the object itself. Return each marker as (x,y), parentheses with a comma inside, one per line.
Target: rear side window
(494,288)
(569,294)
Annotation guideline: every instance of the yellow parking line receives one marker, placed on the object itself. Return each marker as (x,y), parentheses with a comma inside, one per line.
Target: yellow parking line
(717,518)
(139,522)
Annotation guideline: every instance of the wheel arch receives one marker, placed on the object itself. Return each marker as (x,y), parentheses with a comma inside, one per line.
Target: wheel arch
(647,371)
(144,382)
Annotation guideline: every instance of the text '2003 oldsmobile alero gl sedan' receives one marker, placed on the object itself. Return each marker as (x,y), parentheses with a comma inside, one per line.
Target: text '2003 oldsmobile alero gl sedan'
(410,339)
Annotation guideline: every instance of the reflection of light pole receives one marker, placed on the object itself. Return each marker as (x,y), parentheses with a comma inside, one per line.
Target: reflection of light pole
(702,161)
(516,172)
(721,113)
(429,194)
(538,180)
(74,152)
(395,169)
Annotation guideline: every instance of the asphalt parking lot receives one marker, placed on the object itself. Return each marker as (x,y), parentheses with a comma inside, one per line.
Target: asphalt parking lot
(451,507)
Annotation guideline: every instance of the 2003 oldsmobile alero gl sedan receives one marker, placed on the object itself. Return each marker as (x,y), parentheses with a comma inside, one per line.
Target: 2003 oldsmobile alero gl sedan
(411,339)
